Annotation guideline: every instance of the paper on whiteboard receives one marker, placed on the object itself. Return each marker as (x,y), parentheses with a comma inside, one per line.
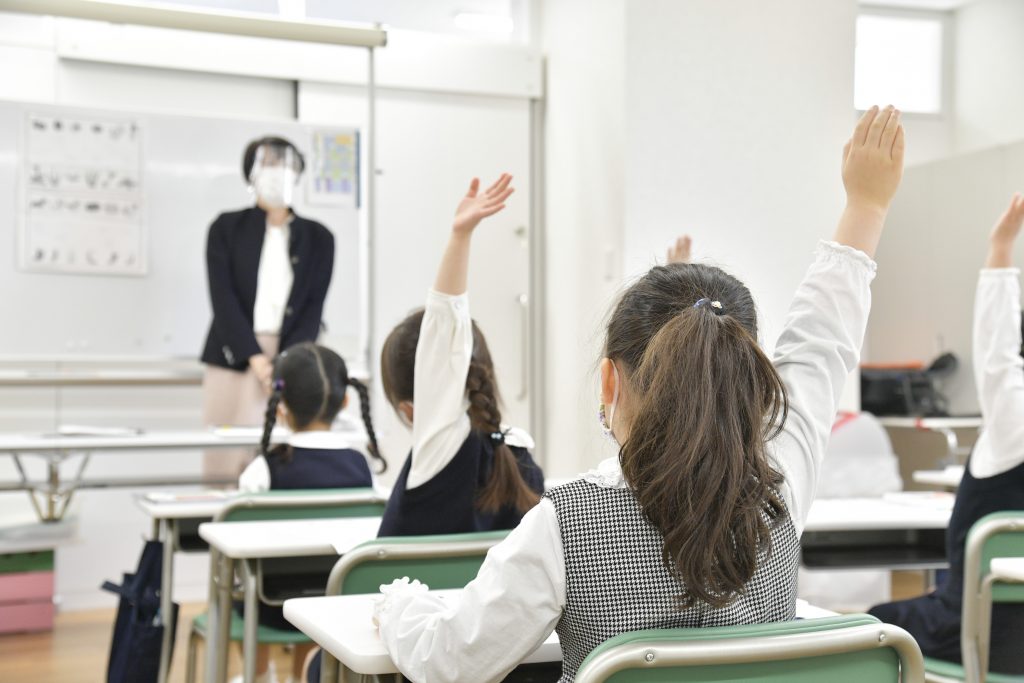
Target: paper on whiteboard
(82,194)
(334,168)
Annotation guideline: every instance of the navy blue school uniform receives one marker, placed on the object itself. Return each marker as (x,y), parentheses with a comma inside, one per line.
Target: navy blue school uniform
(310,468)
(446,504)
(934,619)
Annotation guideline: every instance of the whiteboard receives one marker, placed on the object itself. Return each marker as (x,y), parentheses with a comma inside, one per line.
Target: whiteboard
(191,172)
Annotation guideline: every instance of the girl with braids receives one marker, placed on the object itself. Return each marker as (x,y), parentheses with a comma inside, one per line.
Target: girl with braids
(697,521)
(467,471)
(310,385)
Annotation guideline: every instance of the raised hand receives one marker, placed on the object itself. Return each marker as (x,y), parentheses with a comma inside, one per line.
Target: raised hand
(1004,234)
(679,250)
(872,170)
(476,206)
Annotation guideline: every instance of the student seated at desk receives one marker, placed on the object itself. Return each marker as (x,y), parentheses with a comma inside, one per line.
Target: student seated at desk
(994,477)
(310,384)
(466,471)
(697,521)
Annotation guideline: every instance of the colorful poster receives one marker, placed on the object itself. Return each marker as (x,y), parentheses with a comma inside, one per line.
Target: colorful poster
(82,195)
(334,168)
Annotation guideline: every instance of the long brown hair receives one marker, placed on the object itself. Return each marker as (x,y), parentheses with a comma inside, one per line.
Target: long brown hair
(704,402)
(506,485)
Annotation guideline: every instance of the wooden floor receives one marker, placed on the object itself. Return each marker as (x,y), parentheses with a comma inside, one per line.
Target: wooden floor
(76,650)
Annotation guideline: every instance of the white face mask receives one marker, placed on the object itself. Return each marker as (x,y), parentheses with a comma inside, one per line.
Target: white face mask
(275,185)
(606,414)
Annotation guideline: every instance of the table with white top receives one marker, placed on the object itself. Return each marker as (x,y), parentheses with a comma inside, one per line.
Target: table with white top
(56,493)
(251,543)
(947,478)
(904,530)
(946,426)
(343,626)
(1007,568)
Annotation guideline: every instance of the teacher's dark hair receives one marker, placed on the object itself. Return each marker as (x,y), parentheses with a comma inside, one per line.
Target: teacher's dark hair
(249,156)
(312,380)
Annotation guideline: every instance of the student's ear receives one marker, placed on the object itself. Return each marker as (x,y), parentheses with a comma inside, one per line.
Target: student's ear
(284,416)
(405,408)
(608,380)
(344,401)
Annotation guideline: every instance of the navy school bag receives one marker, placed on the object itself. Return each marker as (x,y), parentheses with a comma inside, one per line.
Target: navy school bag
(139,627)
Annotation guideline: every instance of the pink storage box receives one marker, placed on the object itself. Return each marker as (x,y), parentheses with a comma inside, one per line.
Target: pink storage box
(26,616)
(26,587)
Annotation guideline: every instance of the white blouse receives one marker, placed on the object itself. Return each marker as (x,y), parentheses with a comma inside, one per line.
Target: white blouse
(518,596)
(998,372)
(255,478)
(440,424)
(273,281)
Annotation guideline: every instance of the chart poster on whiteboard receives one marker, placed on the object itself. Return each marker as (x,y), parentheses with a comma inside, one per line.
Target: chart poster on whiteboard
(81,194)
(334,164)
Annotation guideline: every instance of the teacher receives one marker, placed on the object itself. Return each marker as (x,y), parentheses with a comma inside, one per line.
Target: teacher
(268,271)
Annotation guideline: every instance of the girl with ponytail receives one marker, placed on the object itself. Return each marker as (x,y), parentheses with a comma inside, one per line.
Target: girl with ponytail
(697,521)
(310,387)
(467,471)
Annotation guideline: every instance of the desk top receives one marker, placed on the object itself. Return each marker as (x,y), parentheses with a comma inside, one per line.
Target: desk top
(343,625)
(288,538)
(1011,568)
(156,440)
(905,510)
(931,423)
(946,478)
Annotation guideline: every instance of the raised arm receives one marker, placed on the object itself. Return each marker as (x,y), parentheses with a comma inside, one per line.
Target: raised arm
(824,330)
(445,347)
(998,367)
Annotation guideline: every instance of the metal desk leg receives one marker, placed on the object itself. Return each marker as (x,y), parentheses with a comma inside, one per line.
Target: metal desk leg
(249,641)
(168,536)
(218,629)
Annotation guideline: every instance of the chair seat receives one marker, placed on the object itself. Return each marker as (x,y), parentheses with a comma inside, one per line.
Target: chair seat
(941,671)
(264,634)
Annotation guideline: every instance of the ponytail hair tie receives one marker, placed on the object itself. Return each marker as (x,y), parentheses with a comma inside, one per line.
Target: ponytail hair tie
(716,306)
(278,385)
(497,438)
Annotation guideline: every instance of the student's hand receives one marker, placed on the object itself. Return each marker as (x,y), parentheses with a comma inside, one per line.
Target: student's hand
(873,159)
(264,369)
(872,169)
(679,250)
(475,206)
(1004,234)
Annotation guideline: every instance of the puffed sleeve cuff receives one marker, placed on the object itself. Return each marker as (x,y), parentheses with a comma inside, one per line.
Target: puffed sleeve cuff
(998,273)
(457,305)
(395,592)
(833,251)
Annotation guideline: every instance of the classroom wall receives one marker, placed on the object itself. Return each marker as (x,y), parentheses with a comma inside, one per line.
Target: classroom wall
(585,128)
(989,63)
(734,134)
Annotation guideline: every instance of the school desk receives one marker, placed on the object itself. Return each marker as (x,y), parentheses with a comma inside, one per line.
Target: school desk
(250,544)
(947,478)
(1011,568)
(343,626)
(904,530)
(56,493)
(945,426)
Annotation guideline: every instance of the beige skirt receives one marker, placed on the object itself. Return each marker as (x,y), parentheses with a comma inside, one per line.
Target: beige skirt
(235,399)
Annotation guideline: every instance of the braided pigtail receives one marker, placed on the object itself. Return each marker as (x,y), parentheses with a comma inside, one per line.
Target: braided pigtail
(364,407)
(506,485)
(269,420)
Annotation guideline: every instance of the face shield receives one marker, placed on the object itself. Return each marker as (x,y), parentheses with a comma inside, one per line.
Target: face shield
(275,173)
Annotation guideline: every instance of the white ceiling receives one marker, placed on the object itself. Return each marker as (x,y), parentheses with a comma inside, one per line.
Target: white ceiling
(934,5)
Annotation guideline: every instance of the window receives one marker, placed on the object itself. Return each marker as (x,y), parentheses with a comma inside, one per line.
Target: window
(898,61)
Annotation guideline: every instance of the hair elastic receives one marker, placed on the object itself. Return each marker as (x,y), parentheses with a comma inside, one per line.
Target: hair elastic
(498,437)
(716,306)
(278,385)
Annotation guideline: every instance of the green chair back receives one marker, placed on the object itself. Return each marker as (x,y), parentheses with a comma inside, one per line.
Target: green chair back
(1008,542)
(303,504)
(842,649)
(440,561)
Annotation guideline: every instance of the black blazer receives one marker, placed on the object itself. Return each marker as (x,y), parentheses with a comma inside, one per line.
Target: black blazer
(233,248)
